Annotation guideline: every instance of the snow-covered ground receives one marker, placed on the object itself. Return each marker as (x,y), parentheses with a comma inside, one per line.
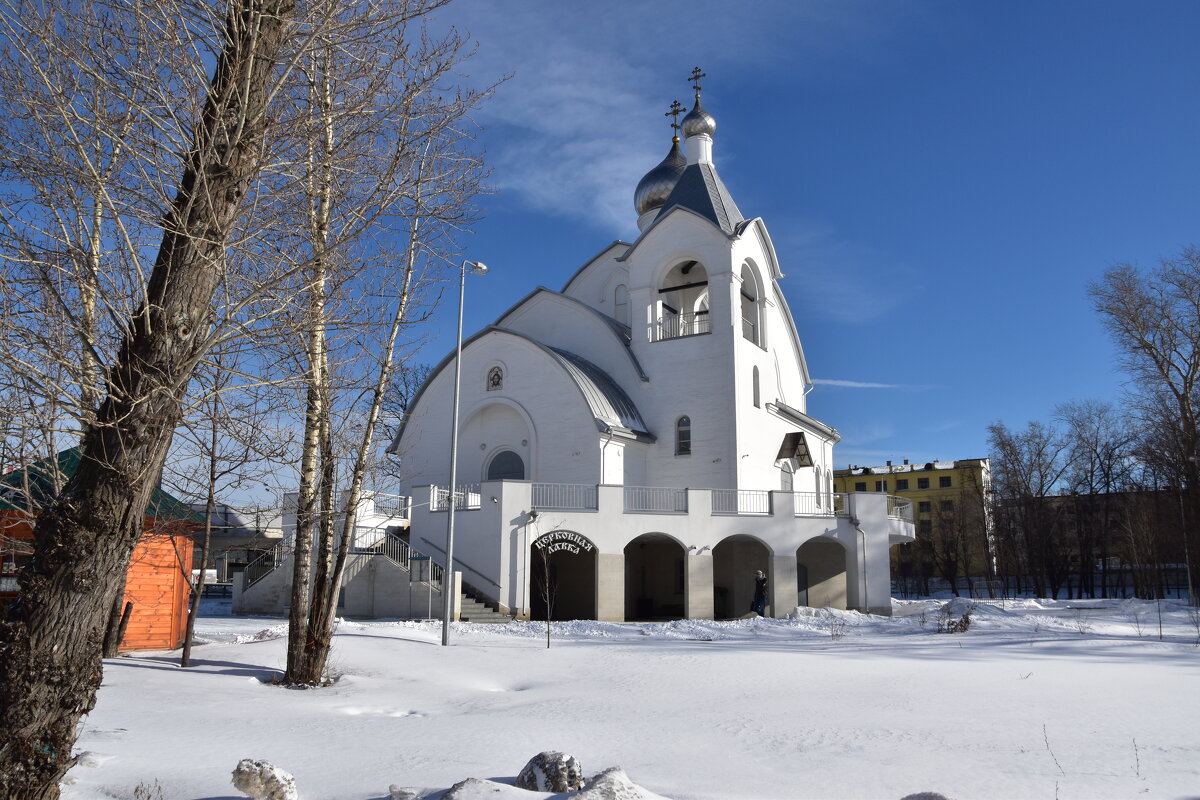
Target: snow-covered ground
(1038,699)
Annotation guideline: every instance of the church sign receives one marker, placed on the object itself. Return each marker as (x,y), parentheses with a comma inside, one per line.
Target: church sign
(563,541)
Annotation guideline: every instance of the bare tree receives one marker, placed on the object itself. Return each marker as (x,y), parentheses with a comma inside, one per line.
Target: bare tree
(1154,320)
(419,185)
(83,84)
(227,442)
(1027,468)
(1101,455)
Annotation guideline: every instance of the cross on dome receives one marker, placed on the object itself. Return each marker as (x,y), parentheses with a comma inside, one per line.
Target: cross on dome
(695,79)
(676,110)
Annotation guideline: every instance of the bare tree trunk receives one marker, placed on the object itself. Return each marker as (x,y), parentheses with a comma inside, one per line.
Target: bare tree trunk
(52,638)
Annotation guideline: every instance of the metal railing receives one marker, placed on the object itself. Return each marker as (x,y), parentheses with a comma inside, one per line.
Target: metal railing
(750,330)
(741,501)
(819,504)
(676,326)
(466,497)
(899,508)
(398,551)
(566,496)
(393,505)
(262,566)
(655,499)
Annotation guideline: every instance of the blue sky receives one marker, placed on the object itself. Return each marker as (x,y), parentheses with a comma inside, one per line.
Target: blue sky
(941,181)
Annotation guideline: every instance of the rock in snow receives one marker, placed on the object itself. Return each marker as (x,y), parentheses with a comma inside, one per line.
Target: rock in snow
(612,784)
(262,780)
(925,796)
(551,771)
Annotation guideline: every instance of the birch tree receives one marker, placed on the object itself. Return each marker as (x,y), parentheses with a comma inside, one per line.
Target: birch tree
(417,177)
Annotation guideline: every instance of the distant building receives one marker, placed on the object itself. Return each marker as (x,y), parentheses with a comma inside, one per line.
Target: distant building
(952,512)
(157,583)
(238,537)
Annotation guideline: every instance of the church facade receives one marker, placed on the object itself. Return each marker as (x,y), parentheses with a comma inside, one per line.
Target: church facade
(636,445)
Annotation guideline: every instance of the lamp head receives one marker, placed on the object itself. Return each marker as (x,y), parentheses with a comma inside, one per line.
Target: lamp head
(477,267)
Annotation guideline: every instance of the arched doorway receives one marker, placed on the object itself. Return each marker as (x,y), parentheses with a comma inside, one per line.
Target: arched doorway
(735,561)
(655,578)
(821,573)
(562,577)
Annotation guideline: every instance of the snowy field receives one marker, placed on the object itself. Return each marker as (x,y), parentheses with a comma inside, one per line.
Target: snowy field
(1038,699)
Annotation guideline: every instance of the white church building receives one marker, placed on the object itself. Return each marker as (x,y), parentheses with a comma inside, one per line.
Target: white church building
(637,441)
(646,426)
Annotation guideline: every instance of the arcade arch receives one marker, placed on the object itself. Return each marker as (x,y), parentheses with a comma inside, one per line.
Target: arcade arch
(735,560)
(562,576)
(655,578)
(821,573)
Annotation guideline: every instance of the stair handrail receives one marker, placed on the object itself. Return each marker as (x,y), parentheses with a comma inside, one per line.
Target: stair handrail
(262,566)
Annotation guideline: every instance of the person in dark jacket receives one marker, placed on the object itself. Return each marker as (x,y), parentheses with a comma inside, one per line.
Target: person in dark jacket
(759,606)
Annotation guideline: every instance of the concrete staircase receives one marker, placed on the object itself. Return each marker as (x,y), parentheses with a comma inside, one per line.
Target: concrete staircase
(477,612)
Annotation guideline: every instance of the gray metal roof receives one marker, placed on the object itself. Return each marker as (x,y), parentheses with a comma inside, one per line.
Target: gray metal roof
(608,401)
(701,190)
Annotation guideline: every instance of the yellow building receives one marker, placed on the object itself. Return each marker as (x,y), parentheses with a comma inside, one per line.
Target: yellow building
(950,510)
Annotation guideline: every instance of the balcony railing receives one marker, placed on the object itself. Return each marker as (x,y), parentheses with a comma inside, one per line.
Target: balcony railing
(750,330)
(819,504)
(734,501)
(900,508)
(676,326)
(393,505)
(467,497)
(565,496)
(655,499)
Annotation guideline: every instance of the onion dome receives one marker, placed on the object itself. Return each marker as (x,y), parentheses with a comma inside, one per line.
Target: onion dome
(654,189)
(699,121)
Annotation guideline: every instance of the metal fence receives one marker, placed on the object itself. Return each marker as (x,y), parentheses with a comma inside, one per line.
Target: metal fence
(741,501)
(467,497)
(566,496)
(651,498)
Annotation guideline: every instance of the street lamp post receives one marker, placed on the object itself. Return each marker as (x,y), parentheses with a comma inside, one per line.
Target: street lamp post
(448,585)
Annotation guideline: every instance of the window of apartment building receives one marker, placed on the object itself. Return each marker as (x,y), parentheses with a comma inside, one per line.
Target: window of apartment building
(944,482)
(901,484)
(925,527)
(924,507)
(881,486)
(860,486)
(922,483)
(947,505)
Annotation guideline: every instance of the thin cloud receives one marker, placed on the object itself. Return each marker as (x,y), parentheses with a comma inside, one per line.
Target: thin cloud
(845,384)
(582,119)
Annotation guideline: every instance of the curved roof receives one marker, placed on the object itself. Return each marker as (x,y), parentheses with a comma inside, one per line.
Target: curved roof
(608,401)
(611,407)
(619,330)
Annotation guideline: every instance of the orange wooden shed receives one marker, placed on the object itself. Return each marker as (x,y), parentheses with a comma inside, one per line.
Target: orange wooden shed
(158,582)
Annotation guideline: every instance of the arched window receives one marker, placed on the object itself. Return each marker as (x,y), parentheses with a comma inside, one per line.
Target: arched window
(818,484)
(786,476)
(754,388)
(683,436)
(506,465)
(621,304)
(751,308)
(683,302)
